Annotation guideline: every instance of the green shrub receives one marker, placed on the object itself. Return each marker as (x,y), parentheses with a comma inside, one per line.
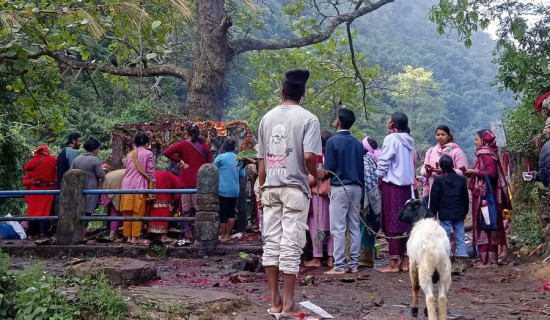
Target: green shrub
(525,228)
(97,297)
(33,294)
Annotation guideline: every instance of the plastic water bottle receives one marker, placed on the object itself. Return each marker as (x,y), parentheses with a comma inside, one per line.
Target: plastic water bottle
(485,212)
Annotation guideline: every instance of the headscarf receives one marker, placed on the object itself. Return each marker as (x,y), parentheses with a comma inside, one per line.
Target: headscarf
(42,150)
(489,146)
(375,153)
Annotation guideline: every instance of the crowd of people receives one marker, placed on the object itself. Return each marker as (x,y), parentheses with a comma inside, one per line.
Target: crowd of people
(344,190)
(337,188)
(45,172)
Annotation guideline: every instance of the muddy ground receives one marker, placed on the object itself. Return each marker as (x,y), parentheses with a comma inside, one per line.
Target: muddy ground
(514,291)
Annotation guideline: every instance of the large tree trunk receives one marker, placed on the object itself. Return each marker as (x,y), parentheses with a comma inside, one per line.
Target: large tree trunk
(206,82)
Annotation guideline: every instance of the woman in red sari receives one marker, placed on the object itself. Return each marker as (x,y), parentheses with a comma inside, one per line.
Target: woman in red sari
(42,170)
(190,155)
(487,161)
(161,205)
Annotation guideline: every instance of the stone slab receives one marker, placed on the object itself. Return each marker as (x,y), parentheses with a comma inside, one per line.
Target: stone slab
(19,248)
(120,271)
(166,298)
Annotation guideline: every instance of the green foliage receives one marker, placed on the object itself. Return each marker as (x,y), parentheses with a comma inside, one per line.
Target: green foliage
(416,92)
(332,84)
(522,52)
(97,297)
(523,124)
(464,76)
(525,229)
(527,203)
(34,294)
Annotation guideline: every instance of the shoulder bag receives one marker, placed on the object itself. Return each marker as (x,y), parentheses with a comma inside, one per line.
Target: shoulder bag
(489,199)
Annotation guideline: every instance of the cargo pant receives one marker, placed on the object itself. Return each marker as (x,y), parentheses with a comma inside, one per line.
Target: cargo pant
(285,215)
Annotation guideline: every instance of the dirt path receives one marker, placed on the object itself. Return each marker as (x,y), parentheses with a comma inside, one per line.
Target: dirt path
(508,292)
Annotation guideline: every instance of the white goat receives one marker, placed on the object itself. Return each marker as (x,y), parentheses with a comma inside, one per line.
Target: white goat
(428,249)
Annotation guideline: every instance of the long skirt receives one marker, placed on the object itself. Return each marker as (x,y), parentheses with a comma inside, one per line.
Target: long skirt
(39,206)
(159,208)
(319,226)
(133,205)
(393,199)
(488,241)
(188,210)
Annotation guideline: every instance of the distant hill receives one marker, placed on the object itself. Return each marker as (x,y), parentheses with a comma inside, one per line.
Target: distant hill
(401,34)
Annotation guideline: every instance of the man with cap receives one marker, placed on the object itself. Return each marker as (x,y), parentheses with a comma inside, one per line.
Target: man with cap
(289,139)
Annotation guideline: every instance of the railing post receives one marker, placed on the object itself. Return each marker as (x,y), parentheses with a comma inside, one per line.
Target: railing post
(72,204)
(207,223)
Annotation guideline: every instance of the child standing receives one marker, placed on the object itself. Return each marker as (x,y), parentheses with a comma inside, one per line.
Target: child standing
(344,157)
(230,172)
(449,199)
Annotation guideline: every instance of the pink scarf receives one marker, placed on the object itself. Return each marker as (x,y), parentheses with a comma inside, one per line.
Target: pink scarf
(375,153)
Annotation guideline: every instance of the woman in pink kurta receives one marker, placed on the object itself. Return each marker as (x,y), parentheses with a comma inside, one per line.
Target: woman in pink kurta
(135,205)
(444,146)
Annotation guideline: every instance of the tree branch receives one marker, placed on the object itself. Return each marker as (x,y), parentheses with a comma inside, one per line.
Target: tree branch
(249,44)
(151,71)
(33,98)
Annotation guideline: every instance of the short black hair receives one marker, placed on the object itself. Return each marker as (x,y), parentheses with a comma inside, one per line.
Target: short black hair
(346,118)
(228,145)
(141,139)
(91,145)
(325,135)
(73,137)
(400,121)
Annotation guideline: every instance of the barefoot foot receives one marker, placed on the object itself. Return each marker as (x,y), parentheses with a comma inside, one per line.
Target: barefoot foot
(314,263)
(389,269)
(335,272)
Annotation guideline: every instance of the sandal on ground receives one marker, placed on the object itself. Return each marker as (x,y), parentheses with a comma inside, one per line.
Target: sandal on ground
(277,315)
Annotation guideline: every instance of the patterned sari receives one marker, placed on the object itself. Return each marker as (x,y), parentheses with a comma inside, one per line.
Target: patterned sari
(488,160)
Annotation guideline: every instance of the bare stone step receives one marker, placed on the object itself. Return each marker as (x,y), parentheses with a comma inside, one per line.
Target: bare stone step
(120,271)
(172,300)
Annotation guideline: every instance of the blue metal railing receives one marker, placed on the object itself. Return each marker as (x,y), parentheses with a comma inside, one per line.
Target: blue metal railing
(145,191)
(22,193)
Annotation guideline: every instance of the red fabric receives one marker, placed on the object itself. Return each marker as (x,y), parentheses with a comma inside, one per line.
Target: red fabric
(44,177)
(487,161)
(165,180)
(183,150)
(538,103)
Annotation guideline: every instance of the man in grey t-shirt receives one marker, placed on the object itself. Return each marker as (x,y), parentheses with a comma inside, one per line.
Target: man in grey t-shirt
(289,138)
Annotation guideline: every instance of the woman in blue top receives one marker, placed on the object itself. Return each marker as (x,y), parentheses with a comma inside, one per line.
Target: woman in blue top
(230,172)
